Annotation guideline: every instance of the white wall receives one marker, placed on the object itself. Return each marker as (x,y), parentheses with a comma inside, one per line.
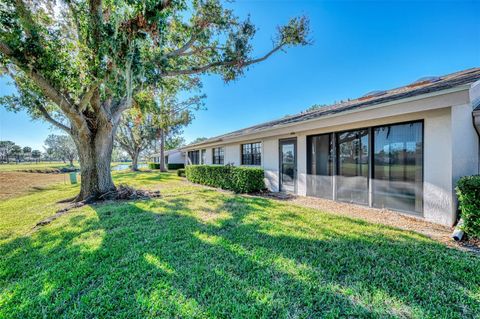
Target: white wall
(232,154)
(450,146)
(176,158)
(464,142)
(302,164)
(270,163)
(208,156)
(437,185)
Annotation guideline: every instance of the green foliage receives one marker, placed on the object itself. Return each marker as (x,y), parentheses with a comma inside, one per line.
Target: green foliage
(198,140)
(200,253)
(79,64)
(468,191)
(154,165)
(174,141)
(136,131)
(181,172)
(175,166)
(237,179)
(61,147)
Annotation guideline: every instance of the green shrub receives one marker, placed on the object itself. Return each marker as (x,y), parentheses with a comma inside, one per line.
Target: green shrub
(237,179)
(175,166)
(154,165)
(181,172)
(468,191)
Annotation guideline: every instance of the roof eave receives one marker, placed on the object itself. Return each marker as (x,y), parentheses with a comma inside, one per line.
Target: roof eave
(374,106)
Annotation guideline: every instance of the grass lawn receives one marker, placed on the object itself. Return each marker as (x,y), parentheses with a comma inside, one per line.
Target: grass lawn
(200,253)
(12,167)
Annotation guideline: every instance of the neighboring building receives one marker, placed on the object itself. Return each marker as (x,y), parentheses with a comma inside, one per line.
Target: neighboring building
(402,149)
(175,156)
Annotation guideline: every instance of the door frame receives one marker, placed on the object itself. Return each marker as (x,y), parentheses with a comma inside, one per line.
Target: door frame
(288,140)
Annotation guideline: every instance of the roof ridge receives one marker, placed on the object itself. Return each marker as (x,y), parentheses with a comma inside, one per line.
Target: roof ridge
(412,89)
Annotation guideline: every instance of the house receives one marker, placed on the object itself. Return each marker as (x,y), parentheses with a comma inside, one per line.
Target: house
(175,156)
(403,149)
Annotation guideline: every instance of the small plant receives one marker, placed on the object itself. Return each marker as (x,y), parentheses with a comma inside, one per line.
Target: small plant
(154,165)
(468,191)
(237,179)
(181,172)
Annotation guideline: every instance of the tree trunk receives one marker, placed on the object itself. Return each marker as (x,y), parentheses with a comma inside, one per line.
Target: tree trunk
(71,162)
(162,151)
(95,155)
(134,156)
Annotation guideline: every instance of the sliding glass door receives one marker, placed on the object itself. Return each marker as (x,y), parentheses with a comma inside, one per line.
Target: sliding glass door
(320,166)
(378,166)
(398,167)
(352,166)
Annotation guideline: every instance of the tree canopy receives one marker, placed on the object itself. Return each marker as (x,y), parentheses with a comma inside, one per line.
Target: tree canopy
(78,64)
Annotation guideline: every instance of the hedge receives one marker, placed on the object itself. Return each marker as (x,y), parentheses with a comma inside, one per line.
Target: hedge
(237,179)
(154,165)
(181,172)
(468,191)
(175,166)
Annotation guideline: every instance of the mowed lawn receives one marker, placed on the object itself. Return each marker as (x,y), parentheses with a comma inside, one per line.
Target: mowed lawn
(201,253)
(12,167)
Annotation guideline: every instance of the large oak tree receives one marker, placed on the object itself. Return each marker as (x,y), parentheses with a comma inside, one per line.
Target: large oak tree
(77,63)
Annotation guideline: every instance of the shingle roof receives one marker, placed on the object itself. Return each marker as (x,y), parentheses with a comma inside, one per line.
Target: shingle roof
(422,86)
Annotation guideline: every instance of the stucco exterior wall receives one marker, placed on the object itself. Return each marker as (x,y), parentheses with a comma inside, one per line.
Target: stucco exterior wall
(437,172)
(232,154)
(270,163)
(176,158)
(451,146)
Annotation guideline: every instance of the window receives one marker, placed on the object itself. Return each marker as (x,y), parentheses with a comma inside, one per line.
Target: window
(193,157)
(204,157)
(398,167)
(252,154)
(218,155)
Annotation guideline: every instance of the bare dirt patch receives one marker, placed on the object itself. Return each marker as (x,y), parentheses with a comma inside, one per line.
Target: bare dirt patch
(14,184)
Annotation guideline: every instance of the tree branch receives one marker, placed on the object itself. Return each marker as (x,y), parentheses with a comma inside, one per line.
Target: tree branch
(51,120)
(39,80)
(87,96)
(182,49)
(209,66)
(47,89)
(96,20)
(121,106)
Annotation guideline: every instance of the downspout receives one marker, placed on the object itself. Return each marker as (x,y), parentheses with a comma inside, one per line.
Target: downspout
(476,124)
(474,95)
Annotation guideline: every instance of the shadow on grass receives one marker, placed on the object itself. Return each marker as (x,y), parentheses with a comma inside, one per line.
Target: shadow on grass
(219,255)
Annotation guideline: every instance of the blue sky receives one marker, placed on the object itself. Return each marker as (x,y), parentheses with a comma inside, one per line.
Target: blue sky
(358,47)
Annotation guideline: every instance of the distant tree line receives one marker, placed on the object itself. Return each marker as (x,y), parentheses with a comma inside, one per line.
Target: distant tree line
(11,152)
(56,148)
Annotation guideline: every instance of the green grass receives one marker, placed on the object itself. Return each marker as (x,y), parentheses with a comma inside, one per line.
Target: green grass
(12,167)
(199,253)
